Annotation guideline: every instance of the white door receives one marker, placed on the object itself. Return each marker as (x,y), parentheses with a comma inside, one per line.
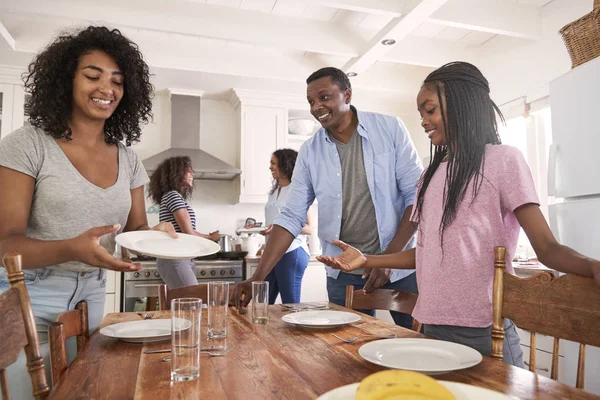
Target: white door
(575,223)
(6,109)
(262,134)
(575,102)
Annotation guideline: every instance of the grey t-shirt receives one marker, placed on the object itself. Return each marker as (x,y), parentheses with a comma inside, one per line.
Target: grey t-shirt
(64,203)
(359,223)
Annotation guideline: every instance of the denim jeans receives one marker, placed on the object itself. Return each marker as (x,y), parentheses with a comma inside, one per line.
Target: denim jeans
(480,339)
(52,292)
(336,289)
(286,277)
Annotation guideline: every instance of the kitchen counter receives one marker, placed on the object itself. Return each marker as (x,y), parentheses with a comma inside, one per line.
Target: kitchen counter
(530,268)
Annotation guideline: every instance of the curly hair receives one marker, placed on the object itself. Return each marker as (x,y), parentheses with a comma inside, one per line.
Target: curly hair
(170,175)
(50,75)
(286,161)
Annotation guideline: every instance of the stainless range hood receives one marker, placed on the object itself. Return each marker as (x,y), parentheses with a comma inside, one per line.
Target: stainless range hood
(185,141)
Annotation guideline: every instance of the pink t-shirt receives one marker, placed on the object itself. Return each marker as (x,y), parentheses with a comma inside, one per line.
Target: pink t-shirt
(455,282)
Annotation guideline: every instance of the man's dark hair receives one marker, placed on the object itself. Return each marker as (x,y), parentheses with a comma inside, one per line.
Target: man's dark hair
(337,76)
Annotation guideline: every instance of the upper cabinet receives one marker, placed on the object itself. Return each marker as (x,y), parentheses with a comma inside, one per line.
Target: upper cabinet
(12,100)
(264,127)
(11,108)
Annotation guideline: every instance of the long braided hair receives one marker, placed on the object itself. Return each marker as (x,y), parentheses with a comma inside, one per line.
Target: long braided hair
(469,123)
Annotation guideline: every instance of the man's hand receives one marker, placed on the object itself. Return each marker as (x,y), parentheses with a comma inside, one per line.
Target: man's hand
(241,295)
(350,259)
(377,278)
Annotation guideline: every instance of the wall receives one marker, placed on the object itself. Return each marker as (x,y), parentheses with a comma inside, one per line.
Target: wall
(517,67)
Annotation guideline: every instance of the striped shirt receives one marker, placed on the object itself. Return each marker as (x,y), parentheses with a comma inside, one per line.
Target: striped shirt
(171,202)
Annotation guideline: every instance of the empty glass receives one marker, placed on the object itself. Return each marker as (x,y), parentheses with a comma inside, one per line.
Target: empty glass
(218,301)
(260,302)
(186,317)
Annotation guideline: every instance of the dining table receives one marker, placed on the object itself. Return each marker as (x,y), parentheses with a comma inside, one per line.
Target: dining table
(276,360)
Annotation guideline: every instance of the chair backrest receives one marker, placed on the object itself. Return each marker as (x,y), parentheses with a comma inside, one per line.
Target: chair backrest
(165,295)
(383,299)
(17,331)
(68,324)
(567,308)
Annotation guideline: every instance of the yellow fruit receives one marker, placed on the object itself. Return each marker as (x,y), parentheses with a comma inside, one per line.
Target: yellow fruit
(401,385)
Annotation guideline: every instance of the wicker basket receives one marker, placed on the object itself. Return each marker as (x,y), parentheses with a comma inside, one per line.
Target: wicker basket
(582,37)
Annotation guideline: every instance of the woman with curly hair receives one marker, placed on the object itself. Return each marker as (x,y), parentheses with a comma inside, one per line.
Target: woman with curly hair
(286,277)
(170,187)
(68,185)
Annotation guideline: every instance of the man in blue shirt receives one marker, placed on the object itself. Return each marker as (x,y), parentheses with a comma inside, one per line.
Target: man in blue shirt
(363,169)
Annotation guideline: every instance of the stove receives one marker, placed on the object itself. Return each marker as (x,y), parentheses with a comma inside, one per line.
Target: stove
(143,284)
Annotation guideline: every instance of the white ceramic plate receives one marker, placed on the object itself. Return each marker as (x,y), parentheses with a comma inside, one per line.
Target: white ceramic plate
(428,356)
(321,319)
(161,245)
(460,390)
(144,330)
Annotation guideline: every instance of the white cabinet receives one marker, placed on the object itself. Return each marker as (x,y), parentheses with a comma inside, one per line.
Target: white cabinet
(263,126)
(113,292)
(11,108)
(261,134)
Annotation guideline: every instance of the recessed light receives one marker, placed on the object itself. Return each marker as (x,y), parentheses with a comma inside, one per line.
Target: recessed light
(351,74)
(388,42)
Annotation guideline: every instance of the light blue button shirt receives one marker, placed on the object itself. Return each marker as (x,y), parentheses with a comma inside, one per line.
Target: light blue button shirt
(393,169)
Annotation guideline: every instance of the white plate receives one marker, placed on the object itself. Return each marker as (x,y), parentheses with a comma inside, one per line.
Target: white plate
(321,319)
(144,330)
(161,245)
(460,390)
(428,356)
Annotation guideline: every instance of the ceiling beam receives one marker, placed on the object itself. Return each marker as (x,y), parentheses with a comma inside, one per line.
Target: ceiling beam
(493,16)
(429,52)
(397,29)
(393,8)
(7,36)
(204,21)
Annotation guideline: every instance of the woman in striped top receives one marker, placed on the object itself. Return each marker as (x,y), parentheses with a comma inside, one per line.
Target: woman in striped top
(170,186)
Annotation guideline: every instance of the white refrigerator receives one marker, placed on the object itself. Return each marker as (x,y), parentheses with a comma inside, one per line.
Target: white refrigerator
(574,159)
(574,181)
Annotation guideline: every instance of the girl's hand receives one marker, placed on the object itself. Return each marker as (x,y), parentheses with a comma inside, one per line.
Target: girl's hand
(214,236)
(166,227)
(267,230)
(87,249)
(349,260)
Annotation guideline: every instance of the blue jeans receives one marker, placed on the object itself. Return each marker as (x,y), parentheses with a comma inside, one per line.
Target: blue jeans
(336,289)
(480,339)
(52,292)
(286,277)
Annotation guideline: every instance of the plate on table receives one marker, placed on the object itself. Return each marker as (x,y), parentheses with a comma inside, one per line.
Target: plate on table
(161,245)
(145,330)
(461,391)
(321,319)
(428,356)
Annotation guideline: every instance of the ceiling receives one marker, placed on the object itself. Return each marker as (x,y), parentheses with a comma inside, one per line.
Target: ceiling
(213,45)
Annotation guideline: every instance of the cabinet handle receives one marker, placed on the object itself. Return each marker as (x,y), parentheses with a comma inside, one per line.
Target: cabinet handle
(539,369)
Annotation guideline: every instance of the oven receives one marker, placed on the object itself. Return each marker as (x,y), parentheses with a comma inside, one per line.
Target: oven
(140,288)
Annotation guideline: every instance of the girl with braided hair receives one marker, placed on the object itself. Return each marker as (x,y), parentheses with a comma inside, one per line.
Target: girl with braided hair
(476,194)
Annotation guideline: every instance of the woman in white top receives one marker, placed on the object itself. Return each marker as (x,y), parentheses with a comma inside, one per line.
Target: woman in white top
(286,277)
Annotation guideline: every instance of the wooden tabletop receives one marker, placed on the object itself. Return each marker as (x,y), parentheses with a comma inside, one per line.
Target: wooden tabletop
(271,361)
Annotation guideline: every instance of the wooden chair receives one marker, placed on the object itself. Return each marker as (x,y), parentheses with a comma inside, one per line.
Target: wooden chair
(165,295)
(383,299)
(567,308)
(17,331)
(68,324)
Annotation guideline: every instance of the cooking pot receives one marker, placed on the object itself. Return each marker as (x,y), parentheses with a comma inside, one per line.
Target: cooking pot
(225,241)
